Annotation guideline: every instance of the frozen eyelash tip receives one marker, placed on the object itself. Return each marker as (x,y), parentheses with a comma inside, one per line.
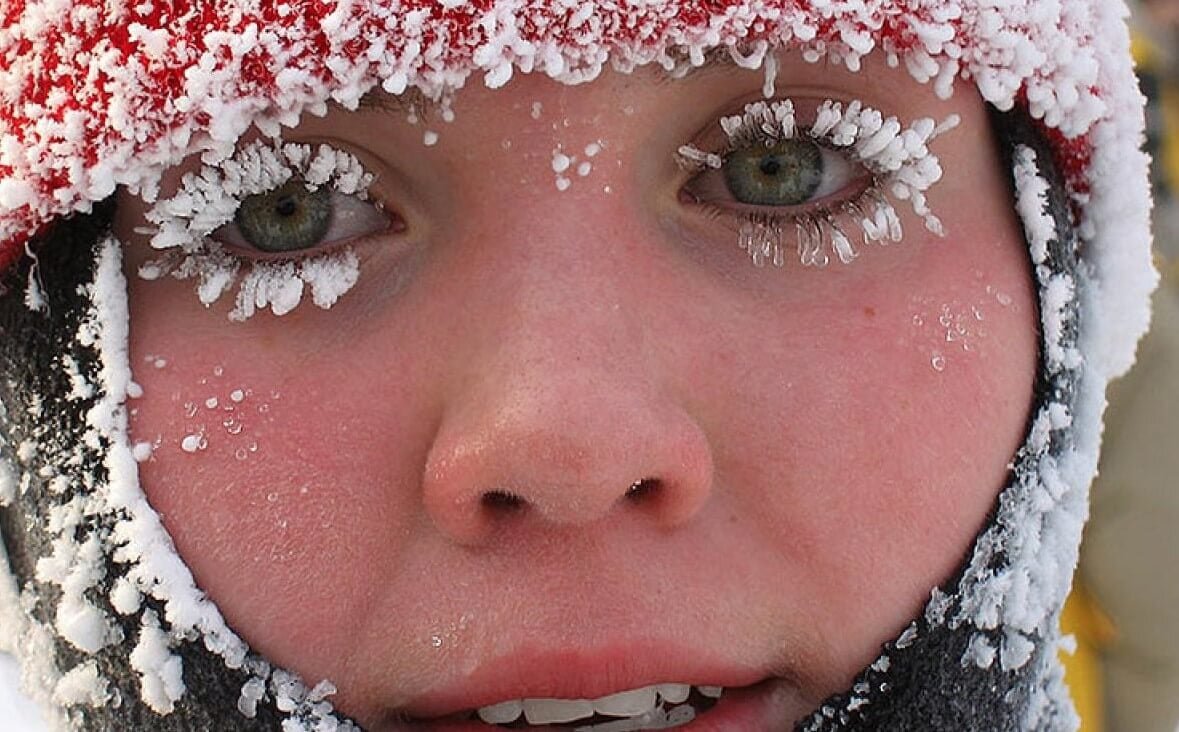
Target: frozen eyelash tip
(694,158)
(947,124)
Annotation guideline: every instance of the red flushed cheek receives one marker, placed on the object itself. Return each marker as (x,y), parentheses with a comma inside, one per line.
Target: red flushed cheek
(233,488)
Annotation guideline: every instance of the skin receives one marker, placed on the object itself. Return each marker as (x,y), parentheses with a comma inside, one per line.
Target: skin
(812,474)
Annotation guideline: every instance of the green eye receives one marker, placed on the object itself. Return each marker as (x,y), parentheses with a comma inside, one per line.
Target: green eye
(289,218)
(786,174)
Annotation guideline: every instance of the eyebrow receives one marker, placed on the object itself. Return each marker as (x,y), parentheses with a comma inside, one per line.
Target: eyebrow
(412,100)
(715,60)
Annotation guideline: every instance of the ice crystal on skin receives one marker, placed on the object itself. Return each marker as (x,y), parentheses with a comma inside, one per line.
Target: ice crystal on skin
(210,198)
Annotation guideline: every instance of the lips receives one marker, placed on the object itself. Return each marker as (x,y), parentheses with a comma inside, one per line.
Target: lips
(762,706)
(613,690)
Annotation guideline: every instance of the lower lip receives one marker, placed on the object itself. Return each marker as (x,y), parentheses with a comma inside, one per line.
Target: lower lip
(756,707)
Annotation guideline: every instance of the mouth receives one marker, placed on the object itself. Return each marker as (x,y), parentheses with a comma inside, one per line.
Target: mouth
(653,707)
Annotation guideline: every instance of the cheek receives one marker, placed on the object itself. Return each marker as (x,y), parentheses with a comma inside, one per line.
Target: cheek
(273,476)
(883,432)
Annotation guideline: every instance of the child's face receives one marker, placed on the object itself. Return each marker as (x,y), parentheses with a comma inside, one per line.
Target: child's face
(817,447)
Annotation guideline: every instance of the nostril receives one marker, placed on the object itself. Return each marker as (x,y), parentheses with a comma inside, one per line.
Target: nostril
(643,490)
(502,502)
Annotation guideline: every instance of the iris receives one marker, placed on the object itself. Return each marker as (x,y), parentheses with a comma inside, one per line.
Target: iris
(289,218)
(785,174)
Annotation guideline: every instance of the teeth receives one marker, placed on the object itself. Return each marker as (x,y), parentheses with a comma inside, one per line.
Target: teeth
(502,713)
(674,693)
(556,711)
(636,704)
(627,703)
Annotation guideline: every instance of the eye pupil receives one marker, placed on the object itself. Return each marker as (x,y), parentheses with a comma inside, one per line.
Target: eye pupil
(770,165)
(286,206)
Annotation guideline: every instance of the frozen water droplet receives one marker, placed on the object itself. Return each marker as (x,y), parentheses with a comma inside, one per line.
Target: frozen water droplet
(263,408)
(918,321)
(218,370)
(191,443)
(1003,299)
(585,168)
(563,183)
(430,138)
(240,453)
(190,409)
(237,395)
(436,641)
(253,447)
(160,363)
(537,109)
(561,162)
(593,149)
(938,362)
(272,497)
(211,402)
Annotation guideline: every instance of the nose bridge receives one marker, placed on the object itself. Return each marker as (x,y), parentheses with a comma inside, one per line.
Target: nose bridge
(562,416)
(569,270)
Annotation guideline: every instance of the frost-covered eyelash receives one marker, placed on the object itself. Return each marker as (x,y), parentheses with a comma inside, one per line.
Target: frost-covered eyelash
(897,157)
(209,198)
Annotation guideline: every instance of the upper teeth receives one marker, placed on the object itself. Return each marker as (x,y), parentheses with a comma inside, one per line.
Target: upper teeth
(633,703)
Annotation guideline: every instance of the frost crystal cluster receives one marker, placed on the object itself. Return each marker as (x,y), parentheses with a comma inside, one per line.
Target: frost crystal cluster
(209,199)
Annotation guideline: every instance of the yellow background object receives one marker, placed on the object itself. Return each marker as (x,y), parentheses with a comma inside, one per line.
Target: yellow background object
(1084,620)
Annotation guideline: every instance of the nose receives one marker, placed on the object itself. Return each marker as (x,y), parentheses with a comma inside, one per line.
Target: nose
(568,451)
(566,415)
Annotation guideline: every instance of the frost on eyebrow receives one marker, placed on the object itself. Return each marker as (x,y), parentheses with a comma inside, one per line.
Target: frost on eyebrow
(209,198)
